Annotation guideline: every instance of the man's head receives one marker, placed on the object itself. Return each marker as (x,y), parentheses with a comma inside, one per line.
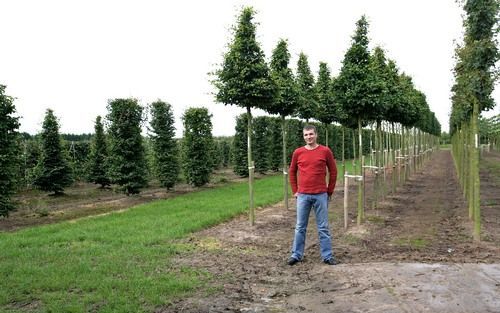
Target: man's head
(310,135)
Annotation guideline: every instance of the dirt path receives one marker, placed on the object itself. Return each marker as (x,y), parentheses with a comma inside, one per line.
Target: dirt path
(403,259)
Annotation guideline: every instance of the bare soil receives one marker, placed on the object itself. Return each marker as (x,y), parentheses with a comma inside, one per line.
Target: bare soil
(414,253)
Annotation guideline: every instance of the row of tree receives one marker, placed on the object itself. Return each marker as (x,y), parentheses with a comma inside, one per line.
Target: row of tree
(489,130)
(369,88)
(117,155)
(475,76)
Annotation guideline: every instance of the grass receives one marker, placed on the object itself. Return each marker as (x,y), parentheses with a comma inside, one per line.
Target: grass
(120,262)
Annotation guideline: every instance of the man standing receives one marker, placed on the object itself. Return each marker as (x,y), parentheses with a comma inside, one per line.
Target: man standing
(311,191)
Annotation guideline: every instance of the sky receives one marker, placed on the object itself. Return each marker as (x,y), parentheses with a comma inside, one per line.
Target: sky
(73,56)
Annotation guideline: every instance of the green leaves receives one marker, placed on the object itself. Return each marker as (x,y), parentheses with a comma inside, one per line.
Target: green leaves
(327,112)
(353,83)
(305,80)
(287,96)
(53,172)
(196,146)
(98,160)
(165,151)
(244,78)
(127,166)
(9,151)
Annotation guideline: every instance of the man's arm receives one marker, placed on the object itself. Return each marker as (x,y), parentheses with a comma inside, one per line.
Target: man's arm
(332,168)
(292,171)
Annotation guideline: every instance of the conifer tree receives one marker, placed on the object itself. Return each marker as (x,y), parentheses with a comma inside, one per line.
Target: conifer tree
(127,166)
(98,159)
(196,147)
(53,172)
(307,105)
(165,152)
(9,150)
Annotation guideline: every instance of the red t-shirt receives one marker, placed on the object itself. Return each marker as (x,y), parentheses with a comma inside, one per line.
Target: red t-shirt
(311,165)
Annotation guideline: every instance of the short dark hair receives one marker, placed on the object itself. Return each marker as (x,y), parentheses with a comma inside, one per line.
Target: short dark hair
(309,127)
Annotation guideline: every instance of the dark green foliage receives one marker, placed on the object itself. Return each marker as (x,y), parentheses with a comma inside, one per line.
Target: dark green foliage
(78,154)
(295,137)
(307,105)
(53,172)
(76,137)
(287,96)
(31,153)
(275,144)
(410,102)
(261,144)
(327,112)
(127,162)
(98,160)
(165,152)
(244,78)
(240,148)
(225,148)
(197,146)
(353,85)
(379,81)
(9,151)
(394,95)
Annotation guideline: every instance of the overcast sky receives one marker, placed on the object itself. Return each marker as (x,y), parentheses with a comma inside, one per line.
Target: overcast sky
(72,56)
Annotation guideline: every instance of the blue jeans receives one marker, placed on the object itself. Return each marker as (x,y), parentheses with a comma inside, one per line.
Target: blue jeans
(318,202)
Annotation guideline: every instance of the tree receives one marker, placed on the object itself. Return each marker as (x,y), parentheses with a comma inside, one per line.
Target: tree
(196,146)
(326,112)
(9,150)
(285,102)
(244,80)
(380,98)
(475,76)
(353,90)
(53,172)
(98,160)
(307,105)
(127,162)
(165,152)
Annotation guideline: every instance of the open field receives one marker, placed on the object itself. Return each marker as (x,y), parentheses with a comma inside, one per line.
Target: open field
(188,253)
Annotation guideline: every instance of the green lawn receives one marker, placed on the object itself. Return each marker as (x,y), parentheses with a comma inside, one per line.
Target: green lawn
(119,262)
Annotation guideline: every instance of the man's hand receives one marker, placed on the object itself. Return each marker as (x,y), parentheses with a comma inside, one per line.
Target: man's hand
(330,197)
(296,194)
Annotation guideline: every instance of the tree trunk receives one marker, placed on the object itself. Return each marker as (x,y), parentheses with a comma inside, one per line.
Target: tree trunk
(475,167)
(393,150)
(284,163)
(343,153)
(361,213)
(251,167)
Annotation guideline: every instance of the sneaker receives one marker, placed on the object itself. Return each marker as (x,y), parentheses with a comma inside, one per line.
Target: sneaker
(292,261)
(331,261)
